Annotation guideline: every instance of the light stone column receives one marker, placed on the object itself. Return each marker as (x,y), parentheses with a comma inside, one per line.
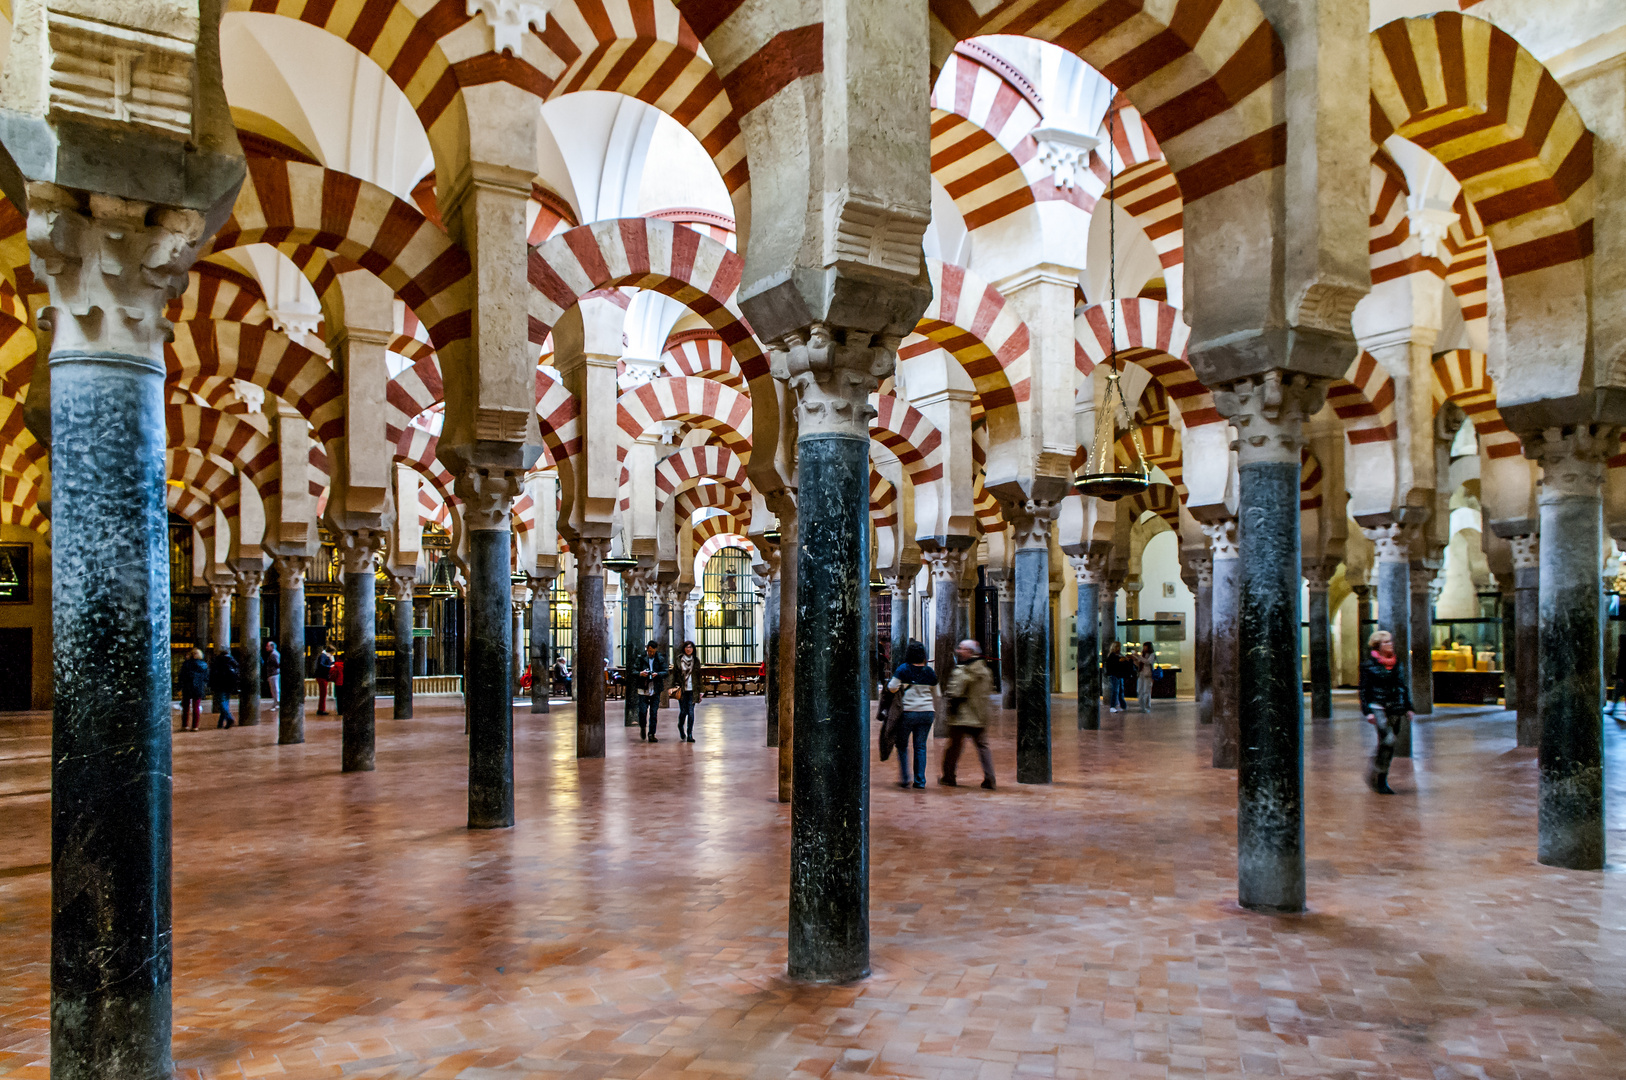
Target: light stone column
(1091,571)
(1007,640)
(1224,644)
(1526,644)
(1570,785)
(291,571)
(1393,572)
(1203,650)
(488,501)
(356,697)
(402,585)
(222,594)
(248,690)
(1268,412)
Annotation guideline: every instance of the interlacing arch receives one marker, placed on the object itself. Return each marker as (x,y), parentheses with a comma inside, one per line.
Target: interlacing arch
(905,430)
(558,416)
(1461,377)
(707,496)
(1133,142)
(418,448)
(1492,114)
(708,529)
(20,452)
(1364,399)
(413,391)
(1152,335)
(704,403)
(216,292)
(983,150)
(1221,123)
(260,355)
(716,541)
(228,437)
(19,504)
(197,509)
(687,467)
(702,354)
(976,324)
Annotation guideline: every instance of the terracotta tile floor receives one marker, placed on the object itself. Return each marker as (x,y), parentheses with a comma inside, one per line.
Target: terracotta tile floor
(633,924)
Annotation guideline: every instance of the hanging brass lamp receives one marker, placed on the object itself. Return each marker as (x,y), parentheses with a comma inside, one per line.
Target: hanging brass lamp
(1103,475)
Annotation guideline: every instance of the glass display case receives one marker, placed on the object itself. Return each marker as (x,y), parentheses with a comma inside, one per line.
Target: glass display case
(1167,635)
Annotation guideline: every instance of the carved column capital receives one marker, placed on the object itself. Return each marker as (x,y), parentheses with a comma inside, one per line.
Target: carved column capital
(1202,566)
(1572,459)
(638,580)
(1268,412)
(1526,551)
(590,552)
(946,564)
(249,581)
(291,570)
(1393,542)
(1091,569)
(222,593)
(1030,522)
(357,548)
(488,497)
(1007,590)
(833,371)
(1423,577)
(401,585)
(1222,538)
(1316,577)
(111,266)
(541,583)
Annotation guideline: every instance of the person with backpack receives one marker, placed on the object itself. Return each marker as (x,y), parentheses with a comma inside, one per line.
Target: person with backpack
(194,686)
(324,675)
(225,676)
(918,684)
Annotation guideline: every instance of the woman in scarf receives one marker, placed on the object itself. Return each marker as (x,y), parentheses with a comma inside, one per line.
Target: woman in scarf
(687,679)
(1386,700)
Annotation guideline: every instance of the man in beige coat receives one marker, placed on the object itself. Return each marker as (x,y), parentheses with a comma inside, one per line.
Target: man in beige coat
(969,685)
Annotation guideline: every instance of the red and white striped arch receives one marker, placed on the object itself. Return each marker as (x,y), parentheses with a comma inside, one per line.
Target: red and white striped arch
(983,151)
(558,416)
(1131,139)
(260,355)
(20,504)
(883,501)
(1149,193)
(716,538)
(905,430)
(687,467)
(1153,335)
(702,354)
(20,452)
(217,292)
(704,403)
(1364,399)
(229,437)
(419,448)
(981,329)
(1461,377)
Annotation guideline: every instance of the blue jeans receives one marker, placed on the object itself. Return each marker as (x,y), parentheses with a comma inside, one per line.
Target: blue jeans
(1116,701)
(686,715)
(223,708)
(918,724)
(649,714)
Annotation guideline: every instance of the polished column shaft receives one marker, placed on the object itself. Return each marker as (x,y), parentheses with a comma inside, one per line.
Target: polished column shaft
(1007,642)
(1032,601)
(360,650)
(591,638)
(1203,645)
(1422,640)
(489,687)
(632,640)
(402,666)
(291,629)
(1527,638)
(1090,570)
(1319,618)
(770,656)
(541,633)
(248,689)
(946,566)
(1223,643)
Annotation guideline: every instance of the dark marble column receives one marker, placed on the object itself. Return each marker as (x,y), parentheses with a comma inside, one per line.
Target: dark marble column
(591,637)
(541,634)
(489,684)
(1569,793)
(1091,572)
(1032,603)
(1320,619)
(420,645)
(634,588)
(1224,644)
(770,650)
(898,586)
(1422,637)
(221,622)
(789,674)
(110,734)
(829,856)
(1527,637)
(1108,611)
(947,565)
(1203,634)
(516,638)
(1510,679)
(1393,573)
(402,667)
(202,635)
(357,547)
(248,690)
(1007,640)
(291,570)
(1269,413)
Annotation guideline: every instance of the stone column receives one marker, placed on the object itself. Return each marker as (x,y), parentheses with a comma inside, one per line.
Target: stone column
(1422,637)
(1108,610)
(1203,658)
(1032,603)
(789,617)
(1268,412)
(110,266)
(1569,796)
(357,548)
(1393,570)
(946,564)
(1526,646)
(832,371)
(541,636)
(634,588)
(291,570)
(201,635)
(1091,571)
(1320,619)
(402,672)
(420,645)
(1007,641)
(1224,648)
(222,616)
(591,635)
(897,589)
(770,648)
(248,690)
(488,686)
(516,636)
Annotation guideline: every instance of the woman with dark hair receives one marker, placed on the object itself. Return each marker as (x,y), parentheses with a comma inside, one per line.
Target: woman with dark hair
(919,685)
(687,680)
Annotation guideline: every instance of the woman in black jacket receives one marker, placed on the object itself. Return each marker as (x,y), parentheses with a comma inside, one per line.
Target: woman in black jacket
(194,685)
(1386,700)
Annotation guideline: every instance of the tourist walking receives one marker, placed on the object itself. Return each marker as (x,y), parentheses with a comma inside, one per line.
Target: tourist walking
(918,683)
(1386,701)
(686,682)
(324,675)
(967,690)
(194,685)
(270,665)
(224,676)
(1113,668)
(1145,672)
(647,685)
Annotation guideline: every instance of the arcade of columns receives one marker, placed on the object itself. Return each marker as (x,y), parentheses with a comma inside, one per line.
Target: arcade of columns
(1325,322)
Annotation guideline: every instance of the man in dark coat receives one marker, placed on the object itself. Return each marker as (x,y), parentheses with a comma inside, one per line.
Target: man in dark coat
(649,680)
(224,674)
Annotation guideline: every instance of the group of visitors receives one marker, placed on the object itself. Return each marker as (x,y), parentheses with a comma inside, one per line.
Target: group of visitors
(222,675)
(1118,671)
(649,683)
(908,707)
